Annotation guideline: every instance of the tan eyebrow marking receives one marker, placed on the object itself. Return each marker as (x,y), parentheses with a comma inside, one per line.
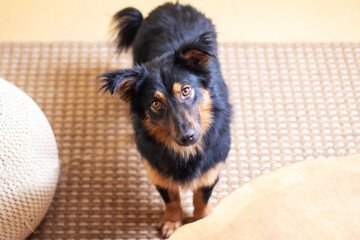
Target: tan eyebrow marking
(160,96)
(177,88)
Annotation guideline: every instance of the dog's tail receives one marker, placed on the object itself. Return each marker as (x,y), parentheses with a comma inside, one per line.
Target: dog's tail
(127,23)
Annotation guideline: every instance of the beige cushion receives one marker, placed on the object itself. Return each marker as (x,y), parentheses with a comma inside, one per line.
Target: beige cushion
(29,165)
(317,199)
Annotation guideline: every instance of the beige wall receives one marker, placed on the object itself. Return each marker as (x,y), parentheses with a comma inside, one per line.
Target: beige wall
(236,20)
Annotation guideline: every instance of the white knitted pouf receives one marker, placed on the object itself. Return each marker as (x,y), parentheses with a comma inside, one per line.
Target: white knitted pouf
(29,164)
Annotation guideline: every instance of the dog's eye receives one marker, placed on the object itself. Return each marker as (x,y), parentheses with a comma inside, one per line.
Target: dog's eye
(185,91)
(156,104)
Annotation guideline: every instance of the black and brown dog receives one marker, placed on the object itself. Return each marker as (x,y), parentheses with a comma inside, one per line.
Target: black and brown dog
(178,102)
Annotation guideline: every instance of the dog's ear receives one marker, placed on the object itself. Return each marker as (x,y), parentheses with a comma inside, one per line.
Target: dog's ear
(200,51)
(123,81)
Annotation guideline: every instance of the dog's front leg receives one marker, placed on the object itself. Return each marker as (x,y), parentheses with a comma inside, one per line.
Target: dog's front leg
(201,197)
(173,215)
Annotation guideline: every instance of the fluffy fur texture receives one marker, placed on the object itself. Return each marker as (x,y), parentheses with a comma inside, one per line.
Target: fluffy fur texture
(178,100)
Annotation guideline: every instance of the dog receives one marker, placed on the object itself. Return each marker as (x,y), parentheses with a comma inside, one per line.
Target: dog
(178,102)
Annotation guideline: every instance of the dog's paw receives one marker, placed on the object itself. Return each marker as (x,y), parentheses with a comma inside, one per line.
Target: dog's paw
(167,228)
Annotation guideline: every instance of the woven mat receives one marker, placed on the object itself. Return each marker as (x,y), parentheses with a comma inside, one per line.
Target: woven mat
(291,102)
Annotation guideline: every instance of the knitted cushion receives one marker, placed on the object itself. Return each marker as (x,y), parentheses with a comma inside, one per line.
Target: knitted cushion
(29,165)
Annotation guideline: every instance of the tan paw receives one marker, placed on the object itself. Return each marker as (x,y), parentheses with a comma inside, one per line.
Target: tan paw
(168,227)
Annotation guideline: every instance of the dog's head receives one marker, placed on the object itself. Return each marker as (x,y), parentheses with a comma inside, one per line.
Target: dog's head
(170,93)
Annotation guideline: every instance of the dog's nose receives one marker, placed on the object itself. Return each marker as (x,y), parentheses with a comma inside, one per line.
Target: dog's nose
(188,137)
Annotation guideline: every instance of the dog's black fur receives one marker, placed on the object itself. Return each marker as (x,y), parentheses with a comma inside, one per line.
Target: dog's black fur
(177,95)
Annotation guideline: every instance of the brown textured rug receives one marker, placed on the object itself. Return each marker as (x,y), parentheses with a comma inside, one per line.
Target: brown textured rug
(290,101)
